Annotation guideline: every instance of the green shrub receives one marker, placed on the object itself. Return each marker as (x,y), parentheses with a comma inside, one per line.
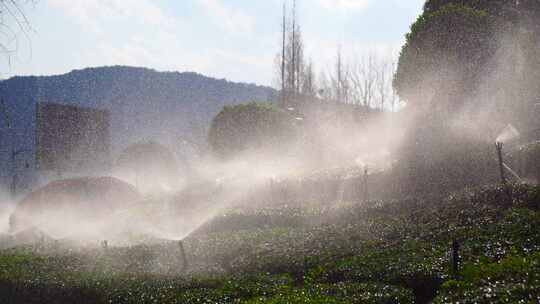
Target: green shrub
(250,126)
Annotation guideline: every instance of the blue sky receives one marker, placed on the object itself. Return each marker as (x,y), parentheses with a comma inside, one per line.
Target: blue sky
(233,39)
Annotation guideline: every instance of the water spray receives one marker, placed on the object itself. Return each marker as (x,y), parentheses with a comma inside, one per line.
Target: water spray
(509,133)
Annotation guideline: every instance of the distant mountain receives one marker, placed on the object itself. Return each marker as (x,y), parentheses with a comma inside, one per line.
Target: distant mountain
(143,103)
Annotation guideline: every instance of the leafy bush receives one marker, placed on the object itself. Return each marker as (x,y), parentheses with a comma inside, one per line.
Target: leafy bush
(445,48)
(250,126)
(380,252)
(514,279)
(487,5)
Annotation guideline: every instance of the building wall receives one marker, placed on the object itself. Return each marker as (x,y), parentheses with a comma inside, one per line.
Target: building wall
(71,139)
(51,140)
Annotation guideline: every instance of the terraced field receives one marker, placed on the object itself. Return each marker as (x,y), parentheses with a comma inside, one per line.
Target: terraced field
(378,252)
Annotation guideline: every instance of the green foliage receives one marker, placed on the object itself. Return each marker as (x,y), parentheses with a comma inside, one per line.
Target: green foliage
(445,49)
(513,279)
(250,126)
(487,5)
(379,252)
(144,150)
(453,39)
(340,293)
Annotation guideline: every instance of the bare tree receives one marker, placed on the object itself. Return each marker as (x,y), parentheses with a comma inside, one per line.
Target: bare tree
(366,81)
(299,61)
(13,24)
(324,85)
(394,99)
(336,83)
(295,60)
(363,79)
(309,88)
(340,78)
(292,57)
(383,82)
(292,72)
(283,50)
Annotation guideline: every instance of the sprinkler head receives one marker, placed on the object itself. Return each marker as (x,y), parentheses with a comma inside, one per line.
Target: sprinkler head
(499,146)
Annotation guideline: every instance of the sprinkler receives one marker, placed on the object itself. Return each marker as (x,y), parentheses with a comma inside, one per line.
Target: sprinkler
(183,256)
(105,245)
(366,192)
(499,147)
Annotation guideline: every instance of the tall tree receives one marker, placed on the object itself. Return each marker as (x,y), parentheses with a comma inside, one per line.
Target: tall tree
(292,67)
(444,53)
(382,83)
(364,80)
(14,23)
(253,126)
(340,78)
(283,52)
(309,87)
(294,52)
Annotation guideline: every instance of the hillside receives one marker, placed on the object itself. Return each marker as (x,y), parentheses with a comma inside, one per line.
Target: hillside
(378,252)
(143,103)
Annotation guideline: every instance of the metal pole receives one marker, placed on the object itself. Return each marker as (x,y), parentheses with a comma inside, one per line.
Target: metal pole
(499,147)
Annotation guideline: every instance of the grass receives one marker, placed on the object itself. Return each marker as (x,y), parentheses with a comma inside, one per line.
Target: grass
(381,252)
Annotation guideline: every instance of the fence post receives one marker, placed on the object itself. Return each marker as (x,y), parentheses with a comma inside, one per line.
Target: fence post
(366,189)
(499,147)
(183,255)
(455,257)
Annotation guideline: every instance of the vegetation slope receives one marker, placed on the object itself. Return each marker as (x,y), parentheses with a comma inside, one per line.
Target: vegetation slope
(378,252)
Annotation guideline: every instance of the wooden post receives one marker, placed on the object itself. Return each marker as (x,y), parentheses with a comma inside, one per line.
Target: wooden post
(366,189)
(271,190)
(455,256)
(499,147)
(183,255)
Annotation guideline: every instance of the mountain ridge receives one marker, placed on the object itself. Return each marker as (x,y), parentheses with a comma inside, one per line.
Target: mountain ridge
(142,68)
(144,104)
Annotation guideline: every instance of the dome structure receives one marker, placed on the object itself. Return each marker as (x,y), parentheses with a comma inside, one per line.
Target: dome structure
(151,167)
(74,208)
